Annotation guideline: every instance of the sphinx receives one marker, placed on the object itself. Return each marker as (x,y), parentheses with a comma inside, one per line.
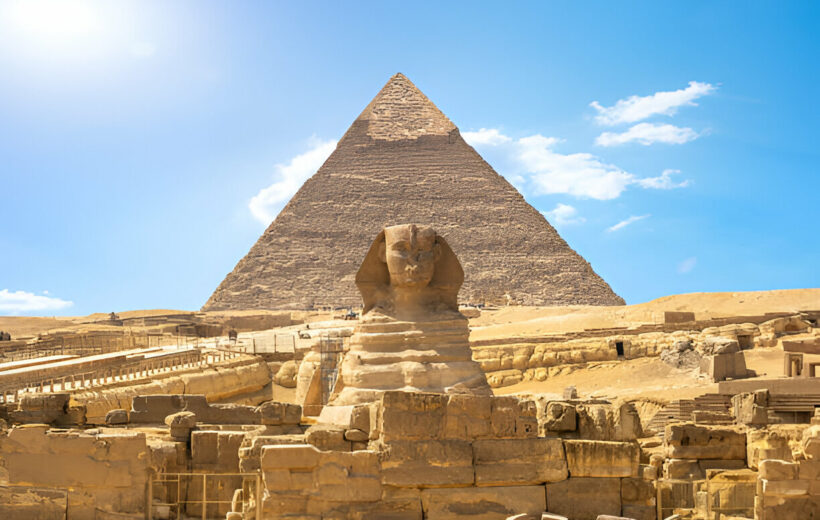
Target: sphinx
(411,335)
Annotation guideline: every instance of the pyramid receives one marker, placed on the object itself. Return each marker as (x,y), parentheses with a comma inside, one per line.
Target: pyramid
(403,161)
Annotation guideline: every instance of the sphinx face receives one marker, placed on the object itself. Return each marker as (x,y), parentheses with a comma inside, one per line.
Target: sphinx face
(411,253)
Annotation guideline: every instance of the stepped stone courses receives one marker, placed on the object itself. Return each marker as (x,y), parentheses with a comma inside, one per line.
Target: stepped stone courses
(401,161)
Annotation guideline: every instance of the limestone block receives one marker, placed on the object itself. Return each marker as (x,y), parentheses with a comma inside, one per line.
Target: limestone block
(395,504)
(721,464)
(360,417)
(204,447)
(467,417)
(559,417)
(117,416)
(582,498)
(785,487)
(682,469)
(637,512)
(230,413)
(552,516)
(719,345)
(811,442)
(35,402)
(356,435)
(168,456)
(637,491)
(349,477)
(287,374)
(773,442)
(607,422)
(778,470)
(689,441)
(26,504)
(648,472)
(751,407)
(280,505)
(787,508)
(513,417)
(602,458)
(181,424)
(294,456)
(809,470)
(519,461)
(271,413)
(155,408)
(502,378)
(427,463)
(485,503)
(104,471)
(327,437)
(411,415)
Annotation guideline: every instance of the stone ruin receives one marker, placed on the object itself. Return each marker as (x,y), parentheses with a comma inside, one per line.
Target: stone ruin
(407,428)
(411,335)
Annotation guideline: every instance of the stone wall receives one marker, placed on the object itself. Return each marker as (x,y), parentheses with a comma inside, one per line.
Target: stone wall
(791,489)
(246,380)
(510,363)
(103,470)
(468,457)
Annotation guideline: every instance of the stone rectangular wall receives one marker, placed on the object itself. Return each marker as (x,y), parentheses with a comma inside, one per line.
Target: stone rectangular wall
(104,471)
(453,457)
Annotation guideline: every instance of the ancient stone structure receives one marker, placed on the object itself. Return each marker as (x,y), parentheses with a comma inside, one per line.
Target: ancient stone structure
(411,335)
(403,160)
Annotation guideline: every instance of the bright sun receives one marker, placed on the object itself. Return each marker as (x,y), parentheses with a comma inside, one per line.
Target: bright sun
(53,21)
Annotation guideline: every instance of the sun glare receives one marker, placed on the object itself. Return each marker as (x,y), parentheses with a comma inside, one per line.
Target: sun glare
(53,21)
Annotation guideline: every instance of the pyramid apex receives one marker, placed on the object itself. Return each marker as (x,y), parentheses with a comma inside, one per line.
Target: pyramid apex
(401,111)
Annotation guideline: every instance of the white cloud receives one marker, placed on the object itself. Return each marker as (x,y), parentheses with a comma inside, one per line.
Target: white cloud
(636,108)
(19,302)
(664,182)
(648,133)
(563,215)
(687,265)
(143,49)
(266,204)
(535,167)
(622,224)
(486,136)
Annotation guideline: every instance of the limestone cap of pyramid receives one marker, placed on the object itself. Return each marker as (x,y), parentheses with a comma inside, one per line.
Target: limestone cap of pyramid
(401,111)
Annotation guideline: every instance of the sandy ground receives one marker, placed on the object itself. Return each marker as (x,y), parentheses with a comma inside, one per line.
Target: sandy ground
(645,378)
(534,321)
(519,321)
(30,326)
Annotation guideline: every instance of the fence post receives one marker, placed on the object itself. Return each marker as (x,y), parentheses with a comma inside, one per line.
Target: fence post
(258,496)
(204,501)
(149,496)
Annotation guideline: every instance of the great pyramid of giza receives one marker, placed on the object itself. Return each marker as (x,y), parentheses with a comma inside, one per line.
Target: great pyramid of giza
(403,161)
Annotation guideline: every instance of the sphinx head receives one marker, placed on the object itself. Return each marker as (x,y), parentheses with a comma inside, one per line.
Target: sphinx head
(411,253)
(409,268)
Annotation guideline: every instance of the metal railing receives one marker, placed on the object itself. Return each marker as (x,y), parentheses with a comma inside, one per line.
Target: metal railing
(268,344)
(175,496)
(732,498)
(109,375)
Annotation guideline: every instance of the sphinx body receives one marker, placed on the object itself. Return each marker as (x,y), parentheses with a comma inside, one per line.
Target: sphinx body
(410,336)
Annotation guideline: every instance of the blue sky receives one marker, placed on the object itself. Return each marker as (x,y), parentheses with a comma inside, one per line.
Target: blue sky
(143,143)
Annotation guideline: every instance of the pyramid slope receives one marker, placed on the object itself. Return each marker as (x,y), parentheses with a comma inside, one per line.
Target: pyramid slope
(403,161)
